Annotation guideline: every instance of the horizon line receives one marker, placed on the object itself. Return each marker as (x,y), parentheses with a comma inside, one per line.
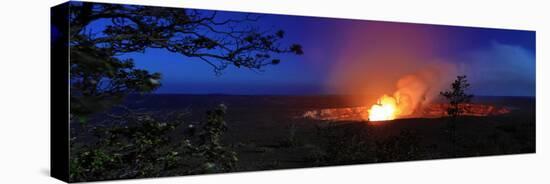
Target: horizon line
(313,94)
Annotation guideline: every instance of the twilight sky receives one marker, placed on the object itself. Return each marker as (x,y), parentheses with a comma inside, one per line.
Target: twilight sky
(357,57)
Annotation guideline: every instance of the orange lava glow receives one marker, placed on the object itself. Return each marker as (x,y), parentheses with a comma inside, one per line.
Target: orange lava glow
(385,109)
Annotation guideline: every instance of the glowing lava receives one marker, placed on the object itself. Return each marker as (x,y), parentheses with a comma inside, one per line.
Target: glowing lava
(385,109)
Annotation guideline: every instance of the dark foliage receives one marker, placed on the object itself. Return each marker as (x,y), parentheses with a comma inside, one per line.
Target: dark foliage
(342,145)
(457,95)
(402,147)
(146,146)
(99,79)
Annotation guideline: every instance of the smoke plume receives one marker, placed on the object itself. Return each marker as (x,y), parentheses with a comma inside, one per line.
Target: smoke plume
(419,89)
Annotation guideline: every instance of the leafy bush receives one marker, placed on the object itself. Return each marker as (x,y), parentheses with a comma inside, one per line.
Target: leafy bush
(145,146)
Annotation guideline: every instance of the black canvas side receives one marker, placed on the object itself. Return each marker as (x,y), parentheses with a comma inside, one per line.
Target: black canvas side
(59,78)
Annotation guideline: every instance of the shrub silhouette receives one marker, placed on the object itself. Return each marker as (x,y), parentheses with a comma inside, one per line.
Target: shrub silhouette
(144,146)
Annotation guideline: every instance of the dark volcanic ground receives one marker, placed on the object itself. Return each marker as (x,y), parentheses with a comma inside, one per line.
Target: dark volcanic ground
(268,133)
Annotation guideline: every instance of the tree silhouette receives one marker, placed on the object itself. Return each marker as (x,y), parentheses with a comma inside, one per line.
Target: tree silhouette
(457,95)
(100,79)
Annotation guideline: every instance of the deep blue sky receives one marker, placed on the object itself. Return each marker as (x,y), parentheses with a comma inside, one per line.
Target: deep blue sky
(341,52)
